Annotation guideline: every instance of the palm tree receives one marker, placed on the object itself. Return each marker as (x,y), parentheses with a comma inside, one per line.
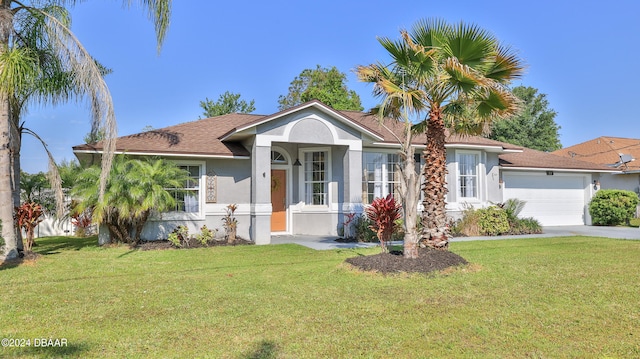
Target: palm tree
(462,73)
(401,102)
(20,64)
(136,188)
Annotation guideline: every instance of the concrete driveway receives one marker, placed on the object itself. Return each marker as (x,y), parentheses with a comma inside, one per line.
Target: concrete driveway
(328,242)
(566,231)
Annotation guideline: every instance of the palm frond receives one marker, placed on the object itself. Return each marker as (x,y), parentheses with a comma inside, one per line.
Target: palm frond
(506,66)
(88,77)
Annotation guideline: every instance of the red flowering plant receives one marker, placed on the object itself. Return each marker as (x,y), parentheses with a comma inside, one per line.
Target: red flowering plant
(27,217)
(384,212)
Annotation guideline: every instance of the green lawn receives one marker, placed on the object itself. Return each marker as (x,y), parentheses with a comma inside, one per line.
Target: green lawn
(572,297)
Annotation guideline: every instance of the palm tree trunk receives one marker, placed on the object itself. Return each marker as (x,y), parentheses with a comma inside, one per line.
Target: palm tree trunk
(6,200)
(6,189)
(434,217)
(139,225)
(410,196)
(16,143)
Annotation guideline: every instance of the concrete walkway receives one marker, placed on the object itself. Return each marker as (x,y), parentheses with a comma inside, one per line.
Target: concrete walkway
(328,242)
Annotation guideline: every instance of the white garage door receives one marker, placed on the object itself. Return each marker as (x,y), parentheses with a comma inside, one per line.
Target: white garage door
(553,200)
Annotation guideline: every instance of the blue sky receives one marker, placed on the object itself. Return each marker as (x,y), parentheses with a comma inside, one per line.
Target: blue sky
(583,55)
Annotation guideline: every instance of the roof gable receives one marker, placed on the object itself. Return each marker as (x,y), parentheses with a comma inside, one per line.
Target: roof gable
(604,150)
(314,104)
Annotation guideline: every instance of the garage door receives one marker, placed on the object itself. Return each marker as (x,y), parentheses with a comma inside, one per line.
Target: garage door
(553,200)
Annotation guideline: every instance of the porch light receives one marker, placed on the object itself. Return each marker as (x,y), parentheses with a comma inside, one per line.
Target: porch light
(297,162)
(596,185)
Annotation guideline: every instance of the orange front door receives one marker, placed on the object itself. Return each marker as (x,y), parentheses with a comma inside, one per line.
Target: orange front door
(279,200)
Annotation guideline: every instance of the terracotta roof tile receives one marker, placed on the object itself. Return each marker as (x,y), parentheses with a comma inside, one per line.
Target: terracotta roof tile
(605,150)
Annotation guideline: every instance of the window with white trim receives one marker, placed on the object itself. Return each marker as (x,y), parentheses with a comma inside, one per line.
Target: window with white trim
(468,174)
(188,197)
(315,178)
(381,175)
(278,158)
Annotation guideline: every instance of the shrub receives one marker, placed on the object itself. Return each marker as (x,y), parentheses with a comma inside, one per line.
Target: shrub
(83,222)
(205,236)
(512,208)
(179,237)
(612,207)
(525,226)
(363,231)
(493,221)
(383,213)
(467,226)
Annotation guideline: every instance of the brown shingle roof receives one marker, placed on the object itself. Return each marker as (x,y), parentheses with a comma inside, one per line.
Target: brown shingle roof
(203,137)
(605,150)
(537,159)
(199,137)
(371,122)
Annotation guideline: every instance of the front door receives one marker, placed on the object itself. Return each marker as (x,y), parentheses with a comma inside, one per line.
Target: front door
(279,200)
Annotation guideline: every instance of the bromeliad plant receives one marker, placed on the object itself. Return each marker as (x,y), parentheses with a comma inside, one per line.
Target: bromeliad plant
(384,213)
(28,216)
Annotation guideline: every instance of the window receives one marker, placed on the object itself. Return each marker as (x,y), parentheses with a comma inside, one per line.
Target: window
(468,175)
(188,198)
(315,178)
(381,175)
(278,158)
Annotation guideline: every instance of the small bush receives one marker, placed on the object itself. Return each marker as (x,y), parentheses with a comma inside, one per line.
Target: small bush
(179,237)
(467,226)
(363,231)
(513,207)
(205,236)
(525,226)
(611,207)
(493,221)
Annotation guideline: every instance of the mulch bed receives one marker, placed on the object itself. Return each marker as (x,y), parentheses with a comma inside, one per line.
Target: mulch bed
(429,260)
(163,244)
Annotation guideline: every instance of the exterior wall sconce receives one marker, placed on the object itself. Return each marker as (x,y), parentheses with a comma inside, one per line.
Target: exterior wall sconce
(596,185)
(297,162)
(500,183)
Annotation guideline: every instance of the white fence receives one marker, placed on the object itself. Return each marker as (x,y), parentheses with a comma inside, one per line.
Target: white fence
(52,227)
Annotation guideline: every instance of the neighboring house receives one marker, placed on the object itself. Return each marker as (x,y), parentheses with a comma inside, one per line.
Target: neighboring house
(618,153)
(299,171)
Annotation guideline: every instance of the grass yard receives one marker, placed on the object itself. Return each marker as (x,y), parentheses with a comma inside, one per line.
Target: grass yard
(570,297)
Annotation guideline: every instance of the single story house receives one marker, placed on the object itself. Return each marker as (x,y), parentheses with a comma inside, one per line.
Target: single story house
(619,153)
(299,171)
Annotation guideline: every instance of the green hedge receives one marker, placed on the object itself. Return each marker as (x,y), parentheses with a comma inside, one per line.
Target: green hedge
(610,207)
